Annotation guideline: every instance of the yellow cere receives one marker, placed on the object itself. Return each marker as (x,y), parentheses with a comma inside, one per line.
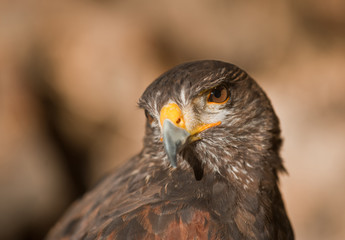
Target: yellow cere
(173,112)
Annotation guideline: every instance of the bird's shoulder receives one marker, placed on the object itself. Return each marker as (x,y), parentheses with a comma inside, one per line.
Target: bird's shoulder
(138,203)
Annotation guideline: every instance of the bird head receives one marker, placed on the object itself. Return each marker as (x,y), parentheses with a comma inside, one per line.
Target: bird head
(210,115)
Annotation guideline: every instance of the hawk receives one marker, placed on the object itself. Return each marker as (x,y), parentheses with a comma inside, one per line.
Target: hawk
(208,168)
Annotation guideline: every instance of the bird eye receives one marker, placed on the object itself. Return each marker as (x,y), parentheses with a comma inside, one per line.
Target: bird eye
(149,117)
(219,94)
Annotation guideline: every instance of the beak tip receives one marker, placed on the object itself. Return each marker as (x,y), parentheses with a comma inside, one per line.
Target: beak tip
(172,158)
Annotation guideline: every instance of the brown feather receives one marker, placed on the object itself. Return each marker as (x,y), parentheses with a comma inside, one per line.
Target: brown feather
(225,185)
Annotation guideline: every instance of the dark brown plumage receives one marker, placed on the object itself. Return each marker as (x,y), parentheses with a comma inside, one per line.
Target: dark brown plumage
(219,128)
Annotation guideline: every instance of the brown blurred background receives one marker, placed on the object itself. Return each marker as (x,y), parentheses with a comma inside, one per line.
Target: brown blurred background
(71,73)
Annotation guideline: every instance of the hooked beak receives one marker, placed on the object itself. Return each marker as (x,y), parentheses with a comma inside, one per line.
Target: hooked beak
(173,138)
(175,134)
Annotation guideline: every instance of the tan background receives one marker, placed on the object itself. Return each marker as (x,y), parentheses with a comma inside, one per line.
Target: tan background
(71,73)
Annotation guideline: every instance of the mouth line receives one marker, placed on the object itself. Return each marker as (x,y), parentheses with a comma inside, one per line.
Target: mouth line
(176,138)
(193,138)
(203,127)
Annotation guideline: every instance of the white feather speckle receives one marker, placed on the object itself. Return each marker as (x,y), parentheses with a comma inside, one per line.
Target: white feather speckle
(249,165)
(183,96)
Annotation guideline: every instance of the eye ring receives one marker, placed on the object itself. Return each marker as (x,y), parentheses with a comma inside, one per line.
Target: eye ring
(218,95)
(149,117)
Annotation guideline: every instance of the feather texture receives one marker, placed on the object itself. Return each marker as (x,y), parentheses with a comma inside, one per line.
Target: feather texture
(225,185)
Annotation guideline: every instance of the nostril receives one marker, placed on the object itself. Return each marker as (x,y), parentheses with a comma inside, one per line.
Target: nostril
(178,120)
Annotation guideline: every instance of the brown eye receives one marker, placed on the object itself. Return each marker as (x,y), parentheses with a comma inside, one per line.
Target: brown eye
(219,94)
(149,118)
